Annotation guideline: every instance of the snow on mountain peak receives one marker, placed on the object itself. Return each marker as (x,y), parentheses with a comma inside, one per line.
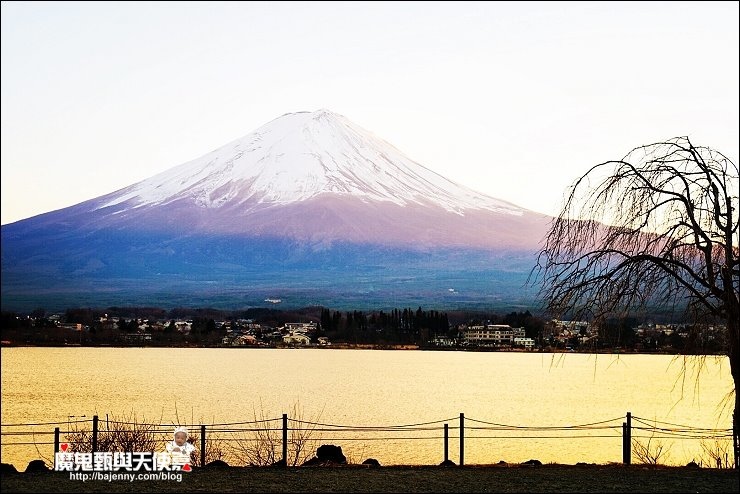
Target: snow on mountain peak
(299,156)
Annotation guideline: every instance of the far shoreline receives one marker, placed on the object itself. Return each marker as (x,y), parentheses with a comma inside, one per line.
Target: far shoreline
(365,346)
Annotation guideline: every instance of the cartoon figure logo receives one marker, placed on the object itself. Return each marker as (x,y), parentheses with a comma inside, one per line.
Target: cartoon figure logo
(180,449)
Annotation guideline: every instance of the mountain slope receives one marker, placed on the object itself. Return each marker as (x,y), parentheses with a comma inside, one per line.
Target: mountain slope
(300,156)
(305,194)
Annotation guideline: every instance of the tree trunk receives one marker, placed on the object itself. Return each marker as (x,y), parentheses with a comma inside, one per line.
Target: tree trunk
(733,331)
(736,428)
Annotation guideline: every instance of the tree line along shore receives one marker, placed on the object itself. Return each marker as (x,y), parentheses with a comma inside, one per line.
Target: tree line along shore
(402,329)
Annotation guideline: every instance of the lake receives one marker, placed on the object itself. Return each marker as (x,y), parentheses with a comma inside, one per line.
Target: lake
(378,388)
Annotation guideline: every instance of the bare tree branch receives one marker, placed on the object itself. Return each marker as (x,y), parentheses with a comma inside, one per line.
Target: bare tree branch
(657,228)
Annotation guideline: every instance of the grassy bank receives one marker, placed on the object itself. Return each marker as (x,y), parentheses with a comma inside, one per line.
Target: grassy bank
(546,478)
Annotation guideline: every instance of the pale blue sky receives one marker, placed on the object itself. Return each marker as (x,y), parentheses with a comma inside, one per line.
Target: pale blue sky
(512,99)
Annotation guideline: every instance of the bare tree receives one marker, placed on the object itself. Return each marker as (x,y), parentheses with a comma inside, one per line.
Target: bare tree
(262,445)
(126,434)
(715,453)
(656,228)
(651,452)
(214,449)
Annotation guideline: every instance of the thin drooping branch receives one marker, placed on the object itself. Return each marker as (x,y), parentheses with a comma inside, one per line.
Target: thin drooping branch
(659,227)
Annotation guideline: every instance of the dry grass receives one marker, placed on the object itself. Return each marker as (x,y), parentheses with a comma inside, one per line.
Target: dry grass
(547,478)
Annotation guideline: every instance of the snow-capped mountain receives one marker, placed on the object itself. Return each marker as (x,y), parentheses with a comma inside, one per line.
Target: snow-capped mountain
(314,177)
(300,156)
(306,194)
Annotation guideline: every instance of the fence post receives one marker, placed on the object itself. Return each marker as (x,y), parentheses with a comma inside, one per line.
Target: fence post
(625,456)
(56,445)
(447,443)
(95,434)
(285,438)
(202,445)
(629,438)
(462,439)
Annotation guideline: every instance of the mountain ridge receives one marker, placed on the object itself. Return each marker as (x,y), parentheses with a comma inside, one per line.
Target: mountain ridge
(303,204)
(298,156)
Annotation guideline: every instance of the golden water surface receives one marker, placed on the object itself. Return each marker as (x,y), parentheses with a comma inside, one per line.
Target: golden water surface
(541,395)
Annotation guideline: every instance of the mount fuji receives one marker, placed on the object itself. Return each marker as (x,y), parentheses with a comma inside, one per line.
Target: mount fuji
(310,208)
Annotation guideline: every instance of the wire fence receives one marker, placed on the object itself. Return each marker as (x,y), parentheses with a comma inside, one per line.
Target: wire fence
(291,441)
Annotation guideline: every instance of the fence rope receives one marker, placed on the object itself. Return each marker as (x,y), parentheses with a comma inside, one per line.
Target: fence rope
(678,428)
(227,432)
(46,423)
(193,425)
(693,437)
(567,427)
(371,427)
(661,422)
